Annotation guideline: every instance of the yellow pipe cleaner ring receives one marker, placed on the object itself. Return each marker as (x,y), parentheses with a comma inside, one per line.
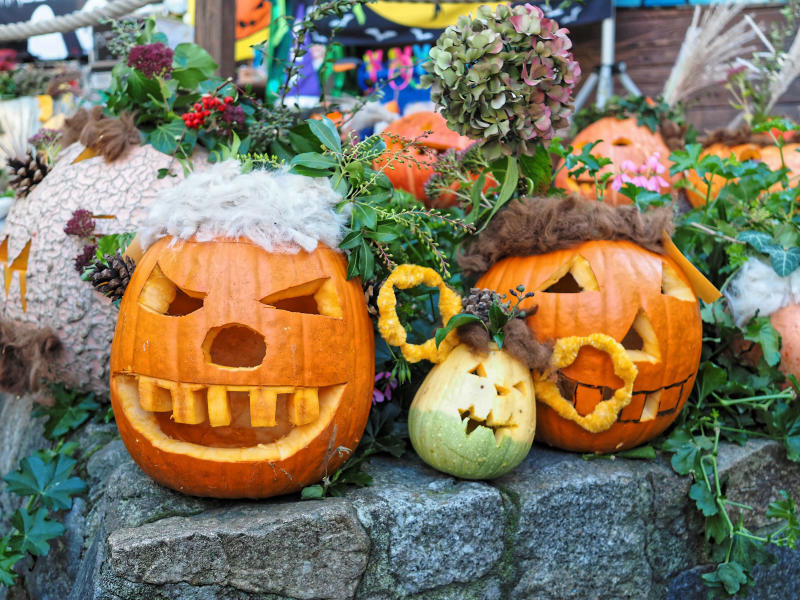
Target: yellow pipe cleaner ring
(606,413)
(389,326)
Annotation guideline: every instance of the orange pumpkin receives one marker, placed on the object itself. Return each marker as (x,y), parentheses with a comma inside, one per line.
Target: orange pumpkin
(698,189)
(236,372)
(252,16)
(621,140)
(771,156)
(414,165)
(641,299)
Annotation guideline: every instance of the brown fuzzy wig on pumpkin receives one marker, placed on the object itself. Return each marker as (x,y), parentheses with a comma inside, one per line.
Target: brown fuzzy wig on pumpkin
(540,225)
(27,354)
(108,136)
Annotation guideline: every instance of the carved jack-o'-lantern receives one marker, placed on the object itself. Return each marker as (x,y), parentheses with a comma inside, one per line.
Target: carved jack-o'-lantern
(41,284)
(236,372)
(252,16)
(642,300)
(473,416)
(621,140)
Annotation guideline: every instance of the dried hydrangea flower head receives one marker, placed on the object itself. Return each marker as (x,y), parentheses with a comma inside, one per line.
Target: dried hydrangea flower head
(503,77)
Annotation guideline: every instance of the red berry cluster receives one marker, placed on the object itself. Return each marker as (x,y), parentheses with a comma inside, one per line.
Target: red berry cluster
(202,110)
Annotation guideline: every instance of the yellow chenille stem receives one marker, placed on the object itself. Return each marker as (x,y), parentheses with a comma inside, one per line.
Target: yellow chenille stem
(408,276)
(606,412)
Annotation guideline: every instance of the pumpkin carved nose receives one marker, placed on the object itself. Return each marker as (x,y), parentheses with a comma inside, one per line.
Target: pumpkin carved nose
(235,346)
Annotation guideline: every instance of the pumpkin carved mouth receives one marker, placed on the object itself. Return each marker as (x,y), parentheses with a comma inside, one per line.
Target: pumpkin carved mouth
(252,417)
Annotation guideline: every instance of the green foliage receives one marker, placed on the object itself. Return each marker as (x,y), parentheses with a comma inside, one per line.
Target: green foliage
(46,479)
(649,113)
(385,433)
(739,393)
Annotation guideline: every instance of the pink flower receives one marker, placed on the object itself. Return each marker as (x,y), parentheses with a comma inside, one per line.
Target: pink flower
(152,60)
(384,384)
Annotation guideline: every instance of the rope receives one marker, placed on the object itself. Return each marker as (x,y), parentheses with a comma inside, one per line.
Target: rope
(71,21)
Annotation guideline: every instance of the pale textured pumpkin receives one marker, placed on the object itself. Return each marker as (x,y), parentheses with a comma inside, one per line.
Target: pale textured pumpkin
(41,283)
(642,300)
(239,373)
(622,139)
(474,416)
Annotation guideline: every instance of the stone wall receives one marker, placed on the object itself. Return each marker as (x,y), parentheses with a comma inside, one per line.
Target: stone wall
(557,527)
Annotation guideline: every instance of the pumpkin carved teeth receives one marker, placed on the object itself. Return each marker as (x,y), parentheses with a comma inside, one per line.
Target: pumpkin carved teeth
(193,404)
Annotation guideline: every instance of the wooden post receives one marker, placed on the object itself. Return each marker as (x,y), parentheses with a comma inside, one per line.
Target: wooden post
(215,30)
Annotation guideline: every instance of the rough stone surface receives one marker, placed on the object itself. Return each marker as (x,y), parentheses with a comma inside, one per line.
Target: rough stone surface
(314,550)
(556,527)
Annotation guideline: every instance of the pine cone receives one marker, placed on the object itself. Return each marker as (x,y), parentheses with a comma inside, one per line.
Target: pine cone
(478,303)
(371,296)
(27,172)
(112,280)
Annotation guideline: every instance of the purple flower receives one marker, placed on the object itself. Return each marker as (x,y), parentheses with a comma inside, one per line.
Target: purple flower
(233,115)
(81,224)
(152,60)
(44,137)
(86,257)
(384,384)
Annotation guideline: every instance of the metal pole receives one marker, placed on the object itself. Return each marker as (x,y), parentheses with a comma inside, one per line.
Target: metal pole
(605,85)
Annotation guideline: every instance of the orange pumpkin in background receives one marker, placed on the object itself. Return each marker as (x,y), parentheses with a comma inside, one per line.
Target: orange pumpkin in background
(417,165)
(621,140)
(252,16)
(239,373)
(641,299)
(698,189)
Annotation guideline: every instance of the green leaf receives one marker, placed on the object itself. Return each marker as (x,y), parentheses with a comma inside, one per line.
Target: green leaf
(455,322)
(537,168)
(326,132)
(314,160)
(312,492)
(761,331)
(351,240)
(784,260)
(164,138)
(365,215)
(706,501)
(192,56)
(497,318)
(49,481)
(711,378)
(70,409)
(8,558)
(507,189)
(34,532)
(730,574)
(642,452)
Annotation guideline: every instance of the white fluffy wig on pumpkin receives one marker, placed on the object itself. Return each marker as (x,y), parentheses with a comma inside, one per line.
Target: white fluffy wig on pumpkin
(758,289)
(277,210)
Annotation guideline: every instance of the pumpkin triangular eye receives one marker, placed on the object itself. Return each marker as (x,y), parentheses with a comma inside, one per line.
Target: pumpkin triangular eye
(673,285)
(622,141)
(641,342)
(316,297)
(162,295)
(573,277)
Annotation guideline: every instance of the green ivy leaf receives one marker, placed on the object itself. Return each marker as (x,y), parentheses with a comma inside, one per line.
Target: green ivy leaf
(192,56)
(189,79)
(706,501)
(164,138)
(784,260)
(455,322)
(326,132)
(34,532)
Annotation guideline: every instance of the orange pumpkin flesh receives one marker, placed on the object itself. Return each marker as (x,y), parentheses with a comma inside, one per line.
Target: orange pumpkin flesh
(642,300)
(253,379)
(622,139)
(412,176)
